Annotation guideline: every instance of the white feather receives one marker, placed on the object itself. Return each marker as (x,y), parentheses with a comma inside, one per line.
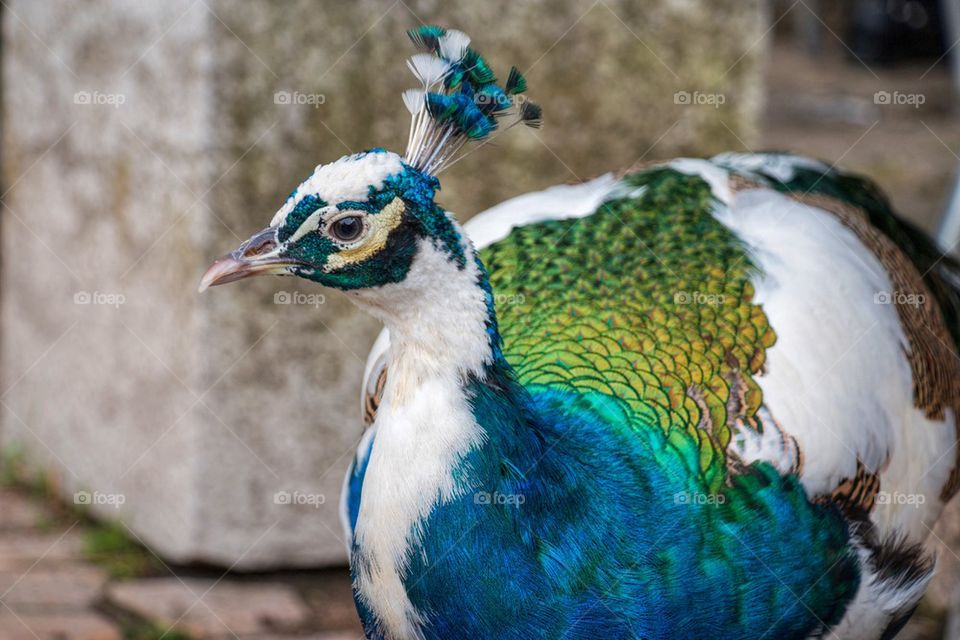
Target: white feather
(428,69)
(717,178)
(556,203)
(453,45)
(780,166)
(414,100)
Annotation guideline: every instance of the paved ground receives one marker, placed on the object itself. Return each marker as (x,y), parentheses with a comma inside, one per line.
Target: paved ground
(51,590)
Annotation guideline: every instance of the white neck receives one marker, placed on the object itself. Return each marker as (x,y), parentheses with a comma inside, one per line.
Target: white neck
(437,319)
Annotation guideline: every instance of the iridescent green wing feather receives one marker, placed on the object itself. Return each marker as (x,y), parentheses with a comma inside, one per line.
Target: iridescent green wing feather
(648,300)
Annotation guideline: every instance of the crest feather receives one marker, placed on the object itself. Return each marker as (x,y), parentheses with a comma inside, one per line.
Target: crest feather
(428,69)
(459,99)
(453,45)
(414,99)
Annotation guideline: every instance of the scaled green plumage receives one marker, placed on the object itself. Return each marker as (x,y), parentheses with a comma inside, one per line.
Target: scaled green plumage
(666,327)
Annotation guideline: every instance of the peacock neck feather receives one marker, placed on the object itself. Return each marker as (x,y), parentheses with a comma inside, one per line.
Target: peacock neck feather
(445,353)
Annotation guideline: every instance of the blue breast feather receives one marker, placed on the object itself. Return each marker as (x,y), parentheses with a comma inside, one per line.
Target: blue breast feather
(572,526)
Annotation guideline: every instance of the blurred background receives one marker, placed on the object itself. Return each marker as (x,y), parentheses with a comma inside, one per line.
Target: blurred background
(171,463)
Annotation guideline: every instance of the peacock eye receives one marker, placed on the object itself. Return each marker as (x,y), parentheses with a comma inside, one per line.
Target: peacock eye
(347,229)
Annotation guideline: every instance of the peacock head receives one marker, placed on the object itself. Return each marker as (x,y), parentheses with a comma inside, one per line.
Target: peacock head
(354,223)
(360,221)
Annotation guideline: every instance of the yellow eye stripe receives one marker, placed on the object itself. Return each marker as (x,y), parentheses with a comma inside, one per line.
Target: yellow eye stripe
(380,225)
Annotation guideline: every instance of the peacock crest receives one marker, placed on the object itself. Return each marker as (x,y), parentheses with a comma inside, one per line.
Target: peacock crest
(458,99)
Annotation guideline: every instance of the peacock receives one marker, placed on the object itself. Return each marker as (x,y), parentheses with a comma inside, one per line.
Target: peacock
(706,398)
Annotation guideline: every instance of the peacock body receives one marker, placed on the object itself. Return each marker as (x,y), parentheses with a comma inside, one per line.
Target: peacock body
(704,399)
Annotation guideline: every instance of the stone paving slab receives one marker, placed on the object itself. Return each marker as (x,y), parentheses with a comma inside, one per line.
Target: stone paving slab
(19,511)
(56,626)
(53,593)
(227,608)
(68,586)
(20,550)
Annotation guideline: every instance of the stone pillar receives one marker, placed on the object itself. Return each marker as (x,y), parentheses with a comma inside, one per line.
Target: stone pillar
(142,139)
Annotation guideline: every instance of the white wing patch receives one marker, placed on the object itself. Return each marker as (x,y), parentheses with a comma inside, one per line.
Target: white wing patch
(717,178)
(556,203)
(781,166)
(838,378)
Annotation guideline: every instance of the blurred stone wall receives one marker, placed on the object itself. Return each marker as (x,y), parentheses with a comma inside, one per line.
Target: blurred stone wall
(143,139)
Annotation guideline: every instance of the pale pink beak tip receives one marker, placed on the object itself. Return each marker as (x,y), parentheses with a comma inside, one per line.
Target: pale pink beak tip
(220,272)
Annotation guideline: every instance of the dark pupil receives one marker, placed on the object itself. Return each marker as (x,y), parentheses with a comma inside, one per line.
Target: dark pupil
(347,228)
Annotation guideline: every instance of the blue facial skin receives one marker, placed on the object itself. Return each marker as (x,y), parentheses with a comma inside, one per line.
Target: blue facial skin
(589,539)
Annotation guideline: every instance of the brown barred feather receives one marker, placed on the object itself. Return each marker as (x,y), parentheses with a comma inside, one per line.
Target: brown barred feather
(371,401)
(858,494)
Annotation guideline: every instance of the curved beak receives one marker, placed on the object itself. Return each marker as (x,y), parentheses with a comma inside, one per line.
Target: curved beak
(258,256)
